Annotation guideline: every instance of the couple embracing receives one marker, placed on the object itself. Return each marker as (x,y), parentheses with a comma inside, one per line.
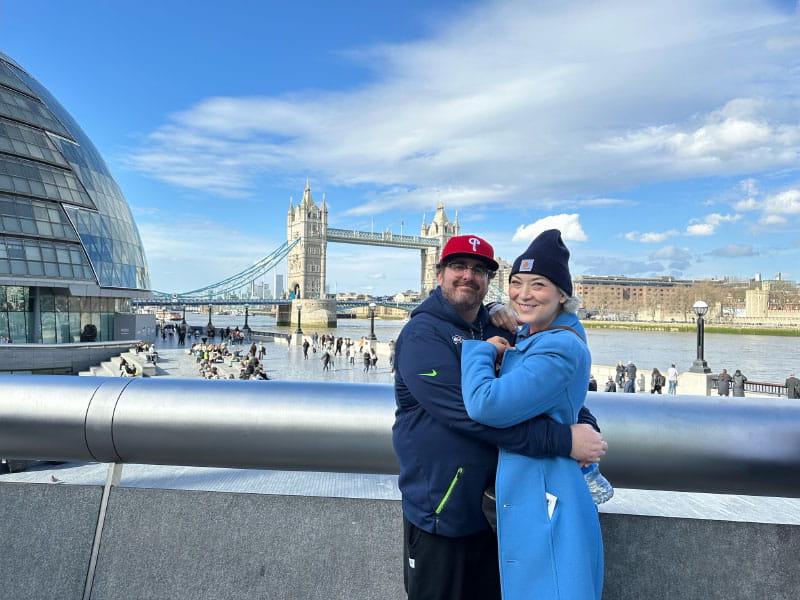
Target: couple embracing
(483,405)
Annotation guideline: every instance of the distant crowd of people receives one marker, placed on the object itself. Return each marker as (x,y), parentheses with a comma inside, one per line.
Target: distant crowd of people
(210,357)
(330,346)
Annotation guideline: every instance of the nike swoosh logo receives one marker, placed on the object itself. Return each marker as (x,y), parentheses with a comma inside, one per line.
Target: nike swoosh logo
(433,373)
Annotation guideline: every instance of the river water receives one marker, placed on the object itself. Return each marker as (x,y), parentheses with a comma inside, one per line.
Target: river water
(760,357)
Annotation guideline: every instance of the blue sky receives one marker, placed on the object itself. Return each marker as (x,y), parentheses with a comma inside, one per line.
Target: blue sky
(661,137)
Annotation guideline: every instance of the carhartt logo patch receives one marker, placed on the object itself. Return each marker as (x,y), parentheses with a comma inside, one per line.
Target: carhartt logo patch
(526,265)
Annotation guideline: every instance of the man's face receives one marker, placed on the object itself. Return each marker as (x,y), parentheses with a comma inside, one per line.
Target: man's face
(461,286)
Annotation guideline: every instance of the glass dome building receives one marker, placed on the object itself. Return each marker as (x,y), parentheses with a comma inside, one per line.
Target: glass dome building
(70,252)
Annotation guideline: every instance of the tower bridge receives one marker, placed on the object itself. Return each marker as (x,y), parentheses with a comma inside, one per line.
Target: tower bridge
(306,250)
(308,235)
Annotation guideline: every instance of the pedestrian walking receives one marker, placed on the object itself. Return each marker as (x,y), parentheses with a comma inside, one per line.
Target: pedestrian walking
(305,349)
(326,360)
(672,380)
(657,381)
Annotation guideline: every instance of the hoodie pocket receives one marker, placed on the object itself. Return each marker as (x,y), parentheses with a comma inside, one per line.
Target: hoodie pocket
(450,489)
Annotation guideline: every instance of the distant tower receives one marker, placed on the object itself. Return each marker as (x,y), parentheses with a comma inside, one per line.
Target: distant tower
(306,261)
(442,230)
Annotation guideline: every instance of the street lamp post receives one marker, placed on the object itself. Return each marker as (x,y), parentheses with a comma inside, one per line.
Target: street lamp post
(700,309)
(183,320)
(246,327)
(299,312)
(372,336)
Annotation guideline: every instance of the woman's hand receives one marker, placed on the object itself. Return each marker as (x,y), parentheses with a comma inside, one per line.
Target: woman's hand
(503,316)
(500,344)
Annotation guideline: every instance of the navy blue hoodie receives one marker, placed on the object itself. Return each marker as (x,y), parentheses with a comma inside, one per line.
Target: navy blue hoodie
(447,459)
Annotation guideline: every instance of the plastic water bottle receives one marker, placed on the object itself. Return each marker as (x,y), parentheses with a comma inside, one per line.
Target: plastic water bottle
(599,487)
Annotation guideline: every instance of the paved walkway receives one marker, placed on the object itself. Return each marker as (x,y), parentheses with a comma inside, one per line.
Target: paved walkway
(280,362)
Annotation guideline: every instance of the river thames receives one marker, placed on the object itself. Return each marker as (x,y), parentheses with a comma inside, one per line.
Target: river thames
(760,357)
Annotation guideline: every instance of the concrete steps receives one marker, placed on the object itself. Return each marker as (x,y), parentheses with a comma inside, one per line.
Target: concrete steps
(112,367)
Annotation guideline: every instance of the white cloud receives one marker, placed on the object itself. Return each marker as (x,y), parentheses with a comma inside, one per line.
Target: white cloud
(544,100)
(772,220)
(650,237)
(569,225)
(734,251)
(710,224)
(784,203)
(746,205)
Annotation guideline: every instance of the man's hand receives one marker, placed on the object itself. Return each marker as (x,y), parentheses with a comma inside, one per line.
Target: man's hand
(500,344)
(588,446)
(503,316)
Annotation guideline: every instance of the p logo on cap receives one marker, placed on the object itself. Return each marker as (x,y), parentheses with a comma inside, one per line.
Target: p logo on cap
(470,246)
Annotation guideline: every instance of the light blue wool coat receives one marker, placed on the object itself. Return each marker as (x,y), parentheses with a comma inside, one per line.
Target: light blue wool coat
(541,556)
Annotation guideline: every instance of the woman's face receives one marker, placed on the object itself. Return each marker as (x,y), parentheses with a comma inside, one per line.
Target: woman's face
(536,300)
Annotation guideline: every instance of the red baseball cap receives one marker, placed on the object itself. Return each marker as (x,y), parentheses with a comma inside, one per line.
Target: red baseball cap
(470,246)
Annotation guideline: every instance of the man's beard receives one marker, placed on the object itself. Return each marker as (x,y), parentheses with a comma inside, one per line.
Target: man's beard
(463,302)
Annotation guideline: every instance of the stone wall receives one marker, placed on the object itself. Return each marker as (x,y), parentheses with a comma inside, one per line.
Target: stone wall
(59,358)
(191,545)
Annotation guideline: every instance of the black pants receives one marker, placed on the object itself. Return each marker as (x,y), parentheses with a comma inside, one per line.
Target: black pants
(443,568)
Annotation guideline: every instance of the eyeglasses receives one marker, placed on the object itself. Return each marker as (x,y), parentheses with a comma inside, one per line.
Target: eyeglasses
(477,270)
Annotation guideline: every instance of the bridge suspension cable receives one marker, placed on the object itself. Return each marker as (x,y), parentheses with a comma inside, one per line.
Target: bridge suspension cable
(240,279)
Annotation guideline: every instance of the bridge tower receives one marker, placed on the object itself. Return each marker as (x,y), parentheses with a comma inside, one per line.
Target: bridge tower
(441,229)
(306,261)
(306,265)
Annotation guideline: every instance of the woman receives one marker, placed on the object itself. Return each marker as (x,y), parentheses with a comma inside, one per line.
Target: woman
(548,530)
(656,381)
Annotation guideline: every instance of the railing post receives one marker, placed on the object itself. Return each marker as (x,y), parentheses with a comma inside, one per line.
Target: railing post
(113,477)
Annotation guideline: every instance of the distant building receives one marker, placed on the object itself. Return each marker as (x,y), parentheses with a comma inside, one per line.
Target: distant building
(407,296)
(610,294)
(279,286)
(71,257)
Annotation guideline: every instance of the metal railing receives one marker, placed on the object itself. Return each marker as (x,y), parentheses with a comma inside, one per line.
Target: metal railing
(756,387)
(681,443)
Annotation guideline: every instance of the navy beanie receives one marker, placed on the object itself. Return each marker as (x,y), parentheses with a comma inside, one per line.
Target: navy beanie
(548,256)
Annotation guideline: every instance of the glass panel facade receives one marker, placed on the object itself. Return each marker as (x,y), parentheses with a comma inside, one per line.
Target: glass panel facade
(8,79)
(22,140)
(20,107)
(42,181)
(34,217)
(62,320)
(38,258)
(109,235)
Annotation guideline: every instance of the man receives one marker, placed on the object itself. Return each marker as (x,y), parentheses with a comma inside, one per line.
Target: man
(793,387)
(630,370)
(672,380)
(592,383)
(446,459)
(611,385)
(724,383)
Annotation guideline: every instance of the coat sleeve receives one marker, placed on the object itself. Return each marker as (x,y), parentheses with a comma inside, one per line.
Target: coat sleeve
(429,368)
(533,388)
